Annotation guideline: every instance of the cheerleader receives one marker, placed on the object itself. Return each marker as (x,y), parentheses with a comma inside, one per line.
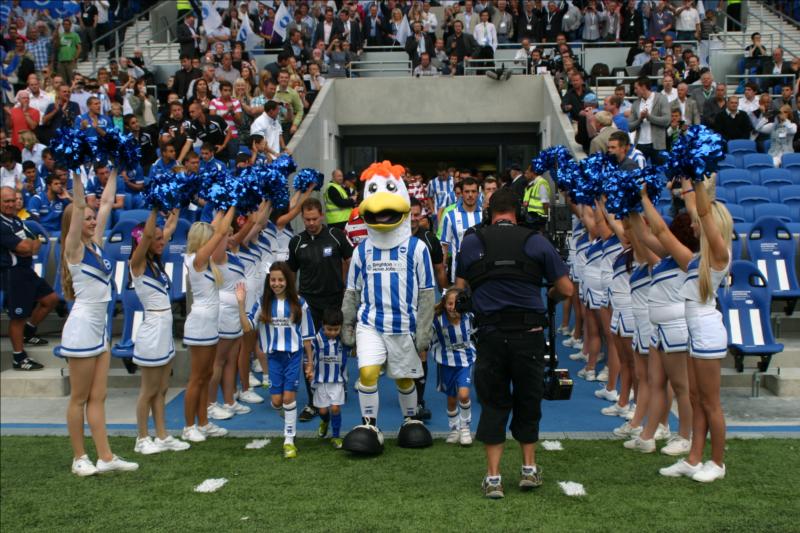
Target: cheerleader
(154,348)
(286,331)
(574,339)
(708,340)
(582,243)
(667,363)
(622,321)
(86,278)
(454,354)
(205,244)
(230,330)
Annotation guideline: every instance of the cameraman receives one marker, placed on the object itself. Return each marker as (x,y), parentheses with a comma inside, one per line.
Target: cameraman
(504,265)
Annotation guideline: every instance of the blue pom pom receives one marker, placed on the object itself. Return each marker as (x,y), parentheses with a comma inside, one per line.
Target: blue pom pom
(695,154)
(306,177)
(71,148)
(123,149)
(285,164)
(595,171)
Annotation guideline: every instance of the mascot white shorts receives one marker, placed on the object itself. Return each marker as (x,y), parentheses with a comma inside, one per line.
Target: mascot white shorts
(397,351)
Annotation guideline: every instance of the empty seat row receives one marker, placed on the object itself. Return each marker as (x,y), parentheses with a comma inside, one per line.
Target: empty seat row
(759,194)
(755,161)
(734,177)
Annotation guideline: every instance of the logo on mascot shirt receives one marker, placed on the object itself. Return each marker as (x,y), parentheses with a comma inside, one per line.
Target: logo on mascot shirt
(384,266)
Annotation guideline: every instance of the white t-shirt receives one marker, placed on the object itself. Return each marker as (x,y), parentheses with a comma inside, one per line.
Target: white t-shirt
(10,178)
(645,135)
(270,129)
(687,20)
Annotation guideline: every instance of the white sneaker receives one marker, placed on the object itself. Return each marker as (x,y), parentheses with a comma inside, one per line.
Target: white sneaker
(116,463)
(193,434)
(453,437)
(237,408)
(641,445)
(677,445)
(603,374)
(83,467)
(146,446)
(172,444)
(564,330)
(569,342)
(681,468)
(628,415)
(615,410)
(605,394)
(710,472)
(578,344)
(588,375)
(254,381)
(212,430)
(256,366)
(465,437)
(601,357)
(578,356)
(627,430)
(662,433)
(251,396)
(218,412)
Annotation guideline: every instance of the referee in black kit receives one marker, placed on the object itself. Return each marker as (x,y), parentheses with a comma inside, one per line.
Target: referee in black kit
(505,265)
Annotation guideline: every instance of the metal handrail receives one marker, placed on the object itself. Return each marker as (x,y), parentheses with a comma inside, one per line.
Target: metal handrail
(781,33)
(781,14)
(401,66)
(493,63)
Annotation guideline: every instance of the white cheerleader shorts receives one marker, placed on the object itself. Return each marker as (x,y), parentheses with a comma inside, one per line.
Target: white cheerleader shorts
(85,333)
(622,322)
(201,327)
(229,325)
(397,351)
(708,338)
(154,345)
(327,394)
(671,336)
(643,330)
(596,299)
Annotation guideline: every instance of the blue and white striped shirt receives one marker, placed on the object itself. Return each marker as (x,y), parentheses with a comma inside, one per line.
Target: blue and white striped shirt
(389,282)
(330,359)
(451,344)
(455,223)
(279,238)
(281,334)
(440,190)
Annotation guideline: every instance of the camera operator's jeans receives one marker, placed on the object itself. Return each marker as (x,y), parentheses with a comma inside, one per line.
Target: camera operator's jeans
(509,379)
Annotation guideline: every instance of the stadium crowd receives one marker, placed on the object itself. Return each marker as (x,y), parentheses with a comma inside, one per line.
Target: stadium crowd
(219,109)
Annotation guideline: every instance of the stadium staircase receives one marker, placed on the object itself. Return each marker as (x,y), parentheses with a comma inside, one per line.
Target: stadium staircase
(765,20)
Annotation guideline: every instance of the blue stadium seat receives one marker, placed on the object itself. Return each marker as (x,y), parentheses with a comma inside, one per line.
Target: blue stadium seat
(737,212)
(757,161)
(173,261)
(795,208)
(735,177)
(139,215)
(41,259)
(109,322)
(730,161)
(746,313)
(741,146)
(736,246)
(132,316)
(771,247)
(780,211)
(742,228)
(752,194)
(791,160)
(790,195)
(775,176)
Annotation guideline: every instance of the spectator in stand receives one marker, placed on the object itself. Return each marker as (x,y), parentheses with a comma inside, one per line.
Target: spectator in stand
(775,66)
(649,119)
(211,82)
(93,121)
(714,105)
(10,171)
(593,19)
(439,58)
(328,28)
(188,36)
(146,141)
(22,118)
(503,22)
(635,50)
(175,128)
(572,102)
(375,28)
(654,67)
(529,24)
(24,62)
(268,126)
(632,21)
(690,112)
(468,17)
(425,68)
(185,76)
(485,35)
(661,20)
(749,103)
(603,124)
(786,98)
(61,113)
(668,88)
(39,100)
(461,44)
(733,123)
(144,106)
(206,129)
(290,100)
(644,56)
(96,186)
(687,22)
(692,73)
(351,30)
(226,72)
(755,49)
(67,45)
(761,117)
(613,104)
(419,43)
(781,132)
(30,182)
(294,45)
(230,110)
(553,19)
(39,46)
(704,91)
(47,207)
(31,147)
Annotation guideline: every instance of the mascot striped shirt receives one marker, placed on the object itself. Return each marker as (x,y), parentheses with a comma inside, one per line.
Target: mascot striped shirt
(389,282)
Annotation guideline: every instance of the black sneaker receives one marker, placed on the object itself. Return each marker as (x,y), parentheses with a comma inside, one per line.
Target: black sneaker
(530,481)
(27,365)
(307,414)
(130,366)
(35,341)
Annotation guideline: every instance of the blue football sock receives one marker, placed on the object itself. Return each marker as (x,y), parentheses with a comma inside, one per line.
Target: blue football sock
(336,424)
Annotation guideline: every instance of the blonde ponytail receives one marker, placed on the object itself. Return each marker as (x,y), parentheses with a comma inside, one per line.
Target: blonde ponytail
(722,219)
(66,277)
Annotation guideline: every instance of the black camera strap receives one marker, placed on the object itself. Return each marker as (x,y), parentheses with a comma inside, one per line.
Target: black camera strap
(551,336)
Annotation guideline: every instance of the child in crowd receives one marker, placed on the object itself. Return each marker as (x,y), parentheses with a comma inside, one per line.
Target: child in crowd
(116,116)
(454,354)
(285,330)
(328,373)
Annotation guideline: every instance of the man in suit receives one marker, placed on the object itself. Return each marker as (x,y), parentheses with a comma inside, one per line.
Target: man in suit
(776,65)
(690,113)
(330,28)
(188,36)
(469,18)
(294,45)
(351,29)
(714,106)
(603,124)
(650,116)
(418,43)
(461,43)
(732,123)
(375,30)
